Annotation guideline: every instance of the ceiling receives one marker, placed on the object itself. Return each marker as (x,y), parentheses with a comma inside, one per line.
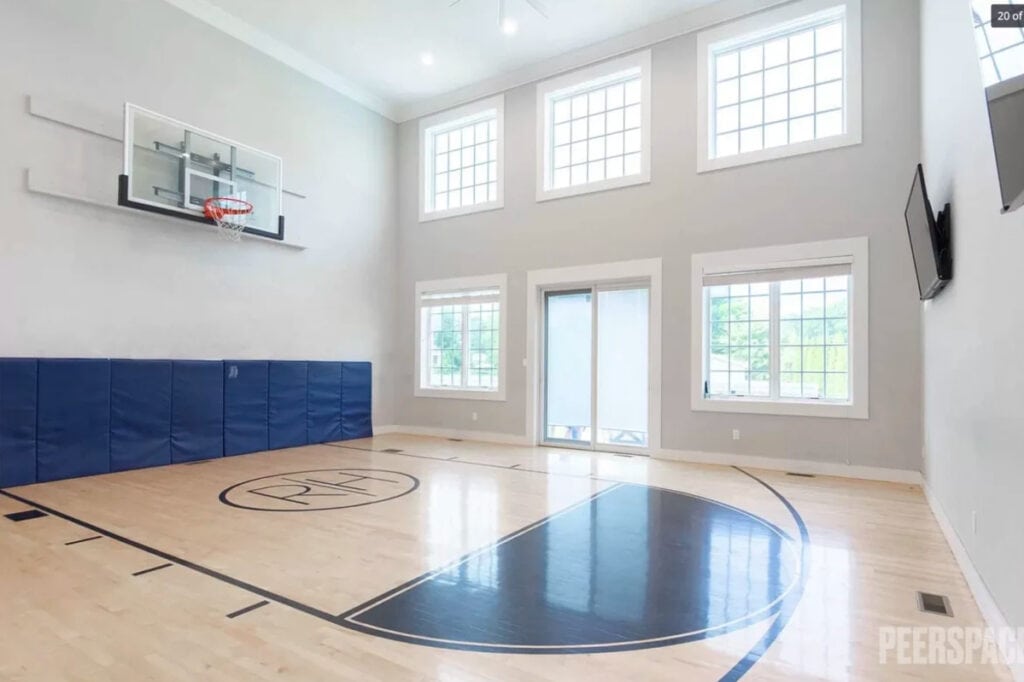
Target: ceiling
(371,49)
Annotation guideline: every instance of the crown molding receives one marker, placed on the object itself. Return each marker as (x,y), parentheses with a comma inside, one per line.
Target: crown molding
(688,22)
(239,29)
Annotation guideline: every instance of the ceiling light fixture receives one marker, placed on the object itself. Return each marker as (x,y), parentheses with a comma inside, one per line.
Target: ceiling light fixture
(427,59)
(508,25)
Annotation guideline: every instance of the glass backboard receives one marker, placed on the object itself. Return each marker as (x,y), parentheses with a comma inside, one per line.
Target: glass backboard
(172,168)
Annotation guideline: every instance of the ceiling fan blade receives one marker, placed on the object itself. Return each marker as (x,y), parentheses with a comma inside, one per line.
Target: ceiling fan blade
(539,7)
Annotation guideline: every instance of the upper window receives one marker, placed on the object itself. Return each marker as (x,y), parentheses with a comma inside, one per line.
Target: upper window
(461,338)
(783,336)
(1001,49)
(781,83)
(461,160)
(595,131)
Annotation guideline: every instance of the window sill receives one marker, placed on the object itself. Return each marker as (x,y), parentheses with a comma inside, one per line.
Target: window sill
(705,165)
(459,394)
(465,210)
(792,408)
(591,187)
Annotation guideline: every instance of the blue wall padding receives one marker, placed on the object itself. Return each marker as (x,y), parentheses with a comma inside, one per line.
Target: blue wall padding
(246,390)
(356,397)
(62,418)
(18,378)
(197,410)
(73,432)
(140,413)
(323,402)
(287,403)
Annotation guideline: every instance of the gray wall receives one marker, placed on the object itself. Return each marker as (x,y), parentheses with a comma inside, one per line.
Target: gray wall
(841,193)
(973,366)
(81,280)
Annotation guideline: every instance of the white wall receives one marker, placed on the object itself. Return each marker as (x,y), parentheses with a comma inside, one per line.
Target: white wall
(81,280)
(841,193)
(973,365)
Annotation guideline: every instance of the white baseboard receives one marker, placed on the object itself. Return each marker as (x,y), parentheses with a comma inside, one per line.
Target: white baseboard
(462,434)
(986,603)
(799,466)
(725,459)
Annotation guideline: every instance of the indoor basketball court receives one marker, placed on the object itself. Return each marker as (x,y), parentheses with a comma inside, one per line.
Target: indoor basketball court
(497,340)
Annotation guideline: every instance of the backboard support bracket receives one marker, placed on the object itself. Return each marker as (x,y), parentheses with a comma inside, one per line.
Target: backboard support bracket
(124,200)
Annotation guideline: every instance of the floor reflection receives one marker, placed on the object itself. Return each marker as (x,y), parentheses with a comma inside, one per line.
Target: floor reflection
(631,567)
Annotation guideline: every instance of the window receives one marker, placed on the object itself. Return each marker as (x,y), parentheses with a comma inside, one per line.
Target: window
(780,83)
(781,331)
(1001,49)
(595,128)
(461,338)
(462,157)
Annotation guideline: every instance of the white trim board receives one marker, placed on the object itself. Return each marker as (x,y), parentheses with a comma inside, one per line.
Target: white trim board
(499,281)
(797,466)
(990,611)
(88,120)
(602,273)
(462,434)
(57,185)
(854,251)
(800,466)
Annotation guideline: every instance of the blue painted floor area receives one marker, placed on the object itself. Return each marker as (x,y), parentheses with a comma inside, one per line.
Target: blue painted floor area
(633,567)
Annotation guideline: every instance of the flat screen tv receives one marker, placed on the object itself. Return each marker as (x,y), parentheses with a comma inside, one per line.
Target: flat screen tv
(929,240)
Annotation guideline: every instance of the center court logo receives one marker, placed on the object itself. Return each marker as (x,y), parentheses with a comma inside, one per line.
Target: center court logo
(319,490)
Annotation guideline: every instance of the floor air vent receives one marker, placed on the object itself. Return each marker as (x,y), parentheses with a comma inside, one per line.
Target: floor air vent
(794,473)
(393,451)
(934,603)
(455,440)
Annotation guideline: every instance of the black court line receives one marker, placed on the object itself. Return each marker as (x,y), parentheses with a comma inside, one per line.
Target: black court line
(356,610)
(733,675)
(791,601)
(150,570)
(591,477)
(247,609)
(75,542)
(216,575)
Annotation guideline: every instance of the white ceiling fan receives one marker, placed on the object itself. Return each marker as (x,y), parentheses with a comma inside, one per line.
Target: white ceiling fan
(508,24)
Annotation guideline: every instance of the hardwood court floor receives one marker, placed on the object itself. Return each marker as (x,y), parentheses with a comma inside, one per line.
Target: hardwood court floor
(181,573)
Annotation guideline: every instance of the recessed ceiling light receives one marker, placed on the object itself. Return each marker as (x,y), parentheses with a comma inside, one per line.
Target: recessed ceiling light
(509,26)
(427,59)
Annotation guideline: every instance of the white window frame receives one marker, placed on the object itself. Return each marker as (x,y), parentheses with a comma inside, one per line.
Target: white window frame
(853,251)
(763,26)
(450,120)
(579,81)
(499,282)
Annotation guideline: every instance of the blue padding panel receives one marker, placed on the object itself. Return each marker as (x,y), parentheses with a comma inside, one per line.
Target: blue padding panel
(197,410)
(140,413)
(323,402)
(356,380)
(18,378)
(287,403)
(73,437)
(246,391)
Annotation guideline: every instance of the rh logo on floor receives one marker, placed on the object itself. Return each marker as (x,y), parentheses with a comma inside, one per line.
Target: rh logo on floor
(950,645)
(319,490)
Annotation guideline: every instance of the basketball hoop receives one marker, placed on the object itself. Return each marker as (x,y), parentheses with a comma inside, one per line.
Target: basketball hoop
(230,214)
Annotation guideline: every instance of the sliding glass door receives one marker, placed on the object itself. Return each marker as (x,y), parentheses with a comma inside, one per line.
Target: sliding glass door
(596,367)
